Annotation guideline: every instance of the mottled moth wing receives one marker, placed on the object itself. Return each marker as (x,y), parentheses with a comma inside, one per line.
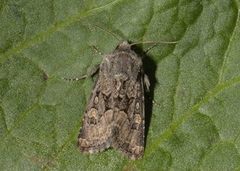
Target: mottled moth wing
(115,113)
(96,131)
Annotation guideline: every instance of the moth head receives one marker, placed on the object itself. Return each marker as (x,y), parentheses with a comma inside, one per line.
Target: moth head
(124,46)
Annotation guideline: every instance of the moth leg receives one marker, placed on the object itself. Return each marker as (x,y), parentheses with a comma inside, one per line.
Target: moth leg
(75,79)
(97,50)
(148,49)
(146,82)
(92,72)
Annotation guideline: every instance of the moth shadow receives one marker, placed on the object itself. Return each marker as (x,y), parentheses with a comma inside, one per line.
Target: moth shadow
(149,67)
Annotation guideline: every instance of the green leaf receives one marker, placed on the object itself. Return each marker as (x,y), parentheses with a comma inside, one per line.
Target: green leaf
(194,123)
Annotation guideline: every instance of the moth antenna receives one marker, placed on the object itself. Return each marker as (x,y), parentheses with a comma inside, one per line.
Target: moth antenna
(154,42)
(116,36)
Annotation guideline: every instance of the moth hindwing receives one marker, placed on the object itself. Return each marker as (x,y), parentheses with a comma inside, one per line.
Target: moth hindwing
(114,115)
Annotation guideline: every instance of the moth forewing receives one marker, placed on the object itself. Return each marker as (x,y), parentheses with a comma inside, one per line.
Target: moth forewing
(114,116)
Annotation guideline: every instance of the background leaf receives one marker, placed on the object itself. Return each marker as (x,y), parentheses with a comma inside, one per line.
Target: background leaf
(194,123)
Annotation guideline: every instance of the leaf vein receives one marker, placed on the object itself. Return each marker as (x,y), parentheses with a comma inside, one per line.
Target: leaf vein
(222,69)
(42,36)
(184,117)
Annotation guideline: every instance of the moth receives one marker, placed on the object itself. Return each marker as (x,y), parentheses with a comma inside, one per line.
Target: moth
(114,116)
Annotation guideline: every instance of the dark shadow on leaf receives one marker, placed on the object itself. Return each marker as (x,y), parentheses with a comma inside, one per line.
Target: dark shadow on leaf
(149,67)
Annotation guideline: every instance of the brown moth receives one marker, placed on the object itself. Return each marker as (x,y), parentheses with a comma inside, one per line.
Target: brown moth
(114,115)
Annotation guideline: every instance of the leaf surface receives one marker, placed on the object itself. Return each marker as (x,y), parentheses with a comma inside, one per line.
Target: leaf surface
(194,122)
